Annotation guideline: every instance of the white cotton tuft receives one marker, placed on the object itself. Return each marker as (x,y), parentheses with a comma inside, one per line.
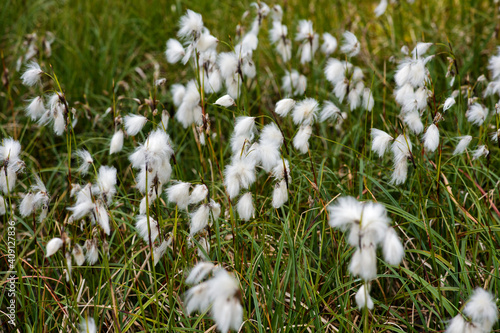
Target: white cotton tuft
(431,138)
(412,119)
(305,111)
(92,253)
(116,144)
(301,139)
(225,101)
(479,152)
(102,217)
(400,172)
(32,75)
(284,106)
(134,123)
(350,44)
(482,309)
(174,52)
(87,326)
(199,272)
(401,148)
(244,126)
(35,109)
(341,89)
(280,194)
(27,204)
(52,246)
(141,226)
(381,8)
(199,219)
(463,144)
(78,254)
(363,298)
(457,325)
(476,114)
(190,25)
(294,83)
(344,213)
(178,91)
(179,194)
(329,111)
(198,194)
(393,250)
(380,141)
(85,161)
(245,207)
(329,44)
(450,101)
(160,250)
(3,206)
(420,49)
(368,101)
(364,263)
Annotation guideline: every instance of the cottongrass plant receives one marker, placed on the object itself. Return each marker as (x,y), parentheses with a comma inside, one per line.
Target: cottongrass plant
(232,200)
(369,228)
(221,294)
(480,313)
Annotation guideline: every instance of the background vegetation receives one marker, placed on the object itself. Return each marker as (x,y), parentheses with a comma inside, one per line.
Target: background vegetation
(292,267)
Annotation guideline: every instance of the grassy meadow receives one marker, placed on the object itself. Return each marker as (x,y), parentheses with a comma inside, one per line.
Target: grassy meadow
(291,266)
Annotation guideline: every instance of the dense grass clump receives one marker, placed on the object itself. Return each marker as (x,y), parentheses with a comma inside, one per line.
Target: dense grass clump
(266,154)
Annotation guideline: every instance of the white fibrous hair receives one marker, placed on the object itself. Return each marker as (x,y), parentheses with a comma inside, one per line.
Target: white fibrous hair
(476,114)
(198,194)
(245,207)
(174,51)
(221,293)
(401,150)
(479,152)
(190,26)
(199,219)
(152,158)
(199,272)
(92,253)
(481,311)
(85,161)
(87,325)
(53,245)
(160,250)
(179,194)
(32,75)
(381,8)
(301,139)
(350,45)
(105,184)
(293,83)
(329,44)
(462,144)
(363,298)
(309,41)
(368,227)
(284,106)
(368,101)
(116,144)
(36,198)
(78,254)
(329,111)
(225,101)
(305,111)
(35,108)
(380,141)
(450,101)
(280,194)
(134,123)
(240,174)
(144,231)
(431,138)
(10,150)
